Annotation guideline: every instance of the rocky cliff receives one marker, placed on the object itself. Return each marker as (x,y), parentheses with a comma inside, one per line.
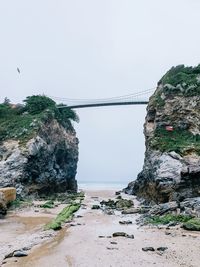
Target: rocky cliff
(171,168)
(38,149)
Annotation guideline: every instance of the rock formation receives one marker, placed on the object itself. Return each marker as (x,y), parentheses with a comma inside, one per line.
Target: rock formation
(38,152)
(171,168)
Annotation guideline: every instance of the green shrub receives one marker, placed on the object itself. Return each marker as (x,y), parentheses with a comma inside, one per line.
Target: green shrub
(37,103)
(187,77)
(21,123)
(66,113)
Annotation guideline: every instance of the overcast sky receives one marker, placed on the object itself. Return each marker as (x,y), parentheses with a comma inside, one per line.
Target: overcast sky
(97,49)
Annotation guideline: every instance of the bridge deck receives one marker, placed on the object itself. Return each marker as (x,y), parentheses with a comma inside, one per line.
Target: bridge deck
(108,104)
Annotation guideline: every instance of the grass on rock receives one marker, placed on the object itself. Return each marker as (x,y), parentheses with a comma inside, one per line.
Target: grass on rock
(179,141)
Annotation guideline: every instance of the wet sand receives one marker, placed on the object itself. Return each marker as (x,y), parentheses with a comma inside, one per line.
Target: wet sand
(80,245)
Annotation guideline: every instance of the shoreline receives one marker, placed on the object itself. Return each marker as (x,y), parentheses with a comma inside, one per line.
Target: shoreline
(89,237)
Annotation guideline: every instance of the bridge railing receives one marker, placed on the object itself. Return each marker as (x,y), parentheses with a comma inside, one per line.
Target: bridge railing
(141,97)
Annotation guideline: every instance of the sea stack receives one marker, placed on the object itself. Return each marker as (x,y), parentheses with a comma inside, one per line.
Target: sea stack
(171,168)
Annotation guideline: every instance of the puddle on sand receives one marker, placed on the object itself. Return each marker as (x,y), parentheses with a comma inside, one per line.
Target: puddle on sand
(38,252)
(13,226)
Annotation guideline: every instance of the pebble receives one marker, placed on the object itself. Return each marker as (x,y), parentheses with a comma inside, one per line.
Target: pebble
(162,248)
(20,253)
(79,216)
(125,222)
(148,249)
(116,234)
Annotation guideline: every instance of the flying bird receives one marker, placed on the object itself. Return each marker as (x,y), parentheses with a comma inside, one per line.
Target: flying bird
(18,70)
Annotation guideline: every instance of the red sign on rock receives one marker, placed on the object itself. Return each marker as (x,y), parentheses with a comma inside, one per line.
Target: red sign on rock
(169,128)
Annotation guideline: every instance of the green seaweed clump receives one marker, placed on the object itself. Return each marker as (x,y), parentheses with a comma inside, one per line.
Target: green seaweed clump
(193,224)
(168,218)
(62,217)
(19,203)
(48,205)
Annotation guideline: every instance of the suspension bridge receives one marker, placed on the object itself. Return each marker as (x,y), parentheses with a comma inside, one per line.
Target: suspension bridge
(139,98)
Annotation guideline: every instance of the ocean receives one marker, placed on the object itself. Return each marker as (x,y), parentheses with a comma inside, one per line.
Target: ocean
(102,186)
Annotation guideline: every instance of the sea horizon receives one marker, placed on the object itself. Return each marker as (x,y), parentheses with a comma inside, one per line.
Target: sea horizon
(103,185)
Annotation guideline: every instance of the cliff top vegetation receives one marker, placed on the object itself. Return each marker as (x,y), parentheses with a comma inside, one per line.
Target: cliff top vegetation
(182,80)
(20,122)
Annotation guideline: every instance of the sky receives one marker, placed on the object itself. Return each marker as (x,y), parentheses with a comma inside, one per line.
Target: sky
(97,49)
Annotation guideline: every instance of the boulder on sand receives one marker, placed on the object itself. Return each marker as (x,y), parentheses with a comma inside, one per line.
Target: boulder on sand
(7,195)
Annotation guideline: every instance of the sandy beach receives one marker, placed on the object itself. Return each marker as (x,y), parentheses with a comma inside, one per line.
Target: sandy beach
(88,241)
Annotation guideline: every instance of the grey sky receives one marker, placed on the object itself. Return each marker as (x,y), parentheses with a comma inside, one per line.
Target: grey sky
(91,49)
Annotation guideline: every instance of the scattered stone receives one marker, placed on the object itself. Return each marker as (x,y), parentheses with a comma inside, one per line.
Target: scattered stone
(130,236)
(167,233)
(172,224)
(109,212)
(20,253)
(26,248)
(125,222)
(101,236)
(36,210)
(124,203)
(113,242)
(79,216)
(3,206)
(116,234)
(112,248)
(95,207)
(162,248)
(119,234)
(110,203)
(148,249)
(109,236)
(117,193)
(131,211)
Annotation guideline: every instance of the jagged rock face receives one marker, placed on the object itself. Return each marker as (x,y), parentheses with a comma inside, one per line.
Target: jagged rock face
(171,168)
(46,164)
